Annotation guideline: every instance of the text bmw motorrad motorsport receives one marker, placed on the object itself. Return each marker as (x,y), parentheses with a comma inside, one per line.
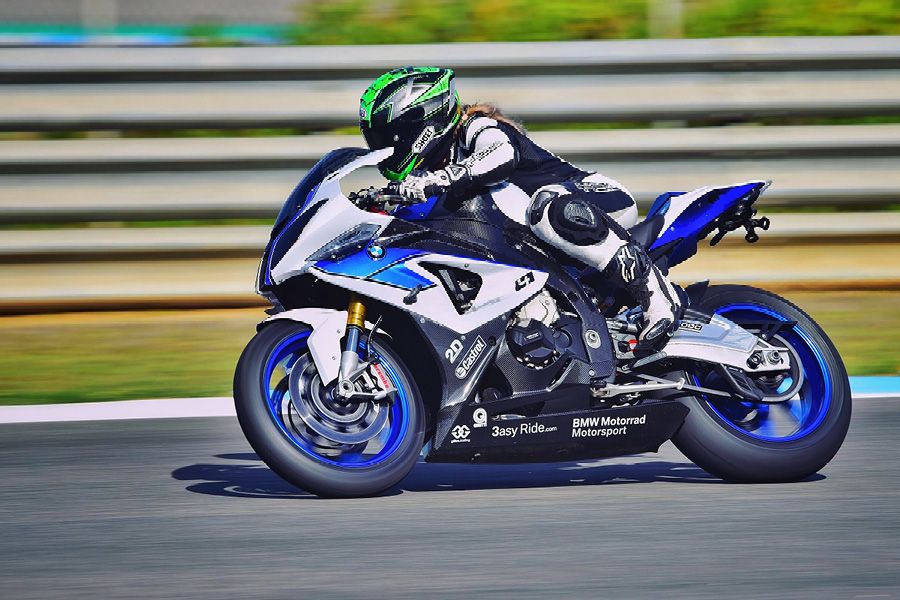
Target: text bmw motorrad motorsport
(397,331)
(604,426)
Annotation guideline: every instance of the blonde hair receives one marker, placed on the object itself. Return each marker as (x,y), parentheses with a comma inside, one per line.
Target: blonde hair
(492,111)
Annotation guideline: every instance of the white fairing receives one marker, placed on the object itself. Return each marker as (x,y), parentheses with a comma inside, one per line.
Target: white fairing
(334,218)
(677,204)
(328,327)
(503,288)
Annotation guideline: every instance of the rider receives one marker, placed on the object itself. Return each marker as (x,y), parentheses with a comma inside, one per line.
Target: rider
(441,146)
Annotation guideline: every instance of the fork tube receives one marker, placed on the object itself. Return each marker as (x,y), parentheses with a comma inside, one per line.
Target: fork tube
(356,318)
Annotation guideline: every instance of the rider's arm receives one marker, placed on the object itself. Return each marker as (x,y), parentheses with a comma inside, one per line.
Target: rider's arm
(492,158)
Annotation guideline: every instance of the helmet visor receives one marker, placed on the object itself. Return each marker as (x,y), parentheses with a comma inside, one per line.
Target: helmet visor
(377,139)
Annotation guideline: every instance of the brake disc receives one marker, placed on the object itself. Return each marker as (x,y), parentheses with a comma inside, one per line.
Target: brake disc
(329,416)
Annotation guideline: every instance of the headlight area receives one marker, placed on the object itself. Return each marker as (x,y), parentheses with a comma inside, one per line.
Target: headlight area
(351,241)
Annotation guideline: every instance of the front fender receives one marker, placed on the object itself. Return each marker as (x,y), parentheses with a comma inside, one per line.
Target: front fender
(328,328)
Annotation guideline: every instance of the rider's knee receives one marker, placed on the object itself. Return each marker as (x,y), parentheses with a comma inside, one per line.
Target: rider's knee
(578,221)
(572,218)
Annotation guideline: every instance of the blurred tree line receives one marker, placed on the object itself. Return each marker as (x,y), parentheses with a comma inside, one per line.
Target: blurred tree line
(424,21)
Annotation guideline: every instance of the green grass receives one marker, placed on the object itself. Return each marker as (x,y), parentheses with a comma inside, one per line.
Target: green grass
(427,21)
(109,356)
(118,356)
(863,326)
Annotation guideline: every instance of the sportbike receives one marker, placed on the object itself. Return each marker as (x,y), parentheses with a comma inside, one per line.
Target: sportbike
(399,330)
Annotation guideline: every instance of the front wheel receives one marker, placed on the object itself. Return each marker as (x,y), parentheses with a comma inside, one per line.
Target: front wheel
(803,426)
(304,431)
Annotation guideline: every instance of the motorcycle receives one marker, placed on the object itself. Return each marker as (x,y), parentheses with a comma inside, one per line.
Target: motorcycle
(450,331)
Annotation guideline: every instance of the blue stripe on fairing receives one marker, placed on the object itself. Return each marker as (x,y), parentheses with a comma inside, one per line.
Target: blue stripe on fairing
(875,385)
(400,275)
(360,264)
(389,269)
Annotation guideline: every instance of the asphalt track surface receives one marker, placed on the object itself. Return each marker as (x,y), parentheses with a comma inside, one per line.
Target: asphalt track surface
(181,508)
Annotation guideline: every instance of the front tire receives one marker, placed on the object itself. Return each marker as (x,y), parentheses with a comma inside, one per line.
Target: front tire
(762,443)
(338,465)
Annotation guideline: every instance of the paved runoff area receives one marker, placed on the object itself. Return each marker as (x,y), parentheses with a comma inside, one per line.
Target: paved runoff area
(182,508)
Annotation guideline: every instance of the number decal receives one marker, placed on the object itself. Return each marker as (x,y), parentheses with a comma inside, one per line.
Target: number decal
(453,351)
(524,280)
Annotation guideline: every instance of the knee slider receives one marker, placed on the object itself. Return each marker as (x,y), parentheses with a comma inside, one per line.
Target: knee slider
(539,205)
(577,221)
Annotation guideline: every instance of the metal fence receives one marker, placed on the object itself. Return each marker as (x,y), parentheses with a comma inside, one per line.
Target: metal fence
(657,88)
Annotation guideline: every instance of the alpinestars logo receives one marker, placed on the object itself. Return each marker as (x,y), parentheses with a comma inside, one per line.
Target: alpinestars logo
(471,358)
(460,434)
(627,263)
(479,418)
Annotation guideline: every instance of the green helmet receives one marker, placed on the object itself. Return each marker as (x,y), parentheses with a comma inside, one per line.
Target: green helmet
(415,110)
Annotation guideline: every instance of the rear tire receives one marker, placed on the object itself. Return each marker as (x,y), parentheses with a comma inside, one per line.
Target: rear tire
(322,471)
(731,448)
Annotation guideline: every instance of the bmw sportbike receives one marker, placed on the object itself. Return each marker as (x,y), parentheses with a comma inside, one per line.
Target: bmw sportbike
(450,331)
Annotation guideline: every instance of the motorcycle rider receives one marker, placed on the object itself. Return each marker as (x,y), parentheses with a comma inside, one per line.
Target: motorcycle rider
(443,147)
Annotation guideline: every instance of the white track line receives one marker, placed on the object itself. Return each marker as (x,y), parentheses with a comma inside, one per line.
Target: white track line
(160,409)
(125,409)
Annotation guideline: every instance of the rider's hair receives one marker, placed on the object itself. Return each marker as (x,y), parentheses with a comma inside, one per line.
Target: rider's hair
(492,111)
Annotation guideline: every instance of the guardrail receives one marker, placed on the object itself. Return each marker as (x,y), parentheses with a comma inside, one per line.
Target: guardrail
(105,65)
(201,178)
(710,82)
(316,87)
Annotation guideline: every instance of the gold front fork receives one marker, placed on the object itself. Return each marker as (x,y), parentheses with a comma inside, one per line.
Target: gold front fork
(356,312)
(356,321)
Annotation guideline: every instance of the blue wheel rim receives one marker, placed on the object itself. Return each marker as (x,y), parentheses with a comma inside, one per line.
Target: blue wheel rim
(388,441)
(806,409)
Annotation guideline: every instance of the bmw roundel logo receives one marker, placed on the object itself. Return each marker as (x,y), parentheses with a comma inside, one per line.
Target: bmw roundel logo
(376,251)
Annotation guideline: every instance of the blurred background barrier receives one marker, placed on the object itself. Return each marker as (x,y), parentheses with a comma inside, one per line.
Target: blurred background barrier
(144,155)
(184,155)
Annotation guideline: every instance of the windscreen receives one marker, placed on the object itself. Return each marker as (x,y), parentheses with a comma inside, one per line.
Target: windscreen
(329,163)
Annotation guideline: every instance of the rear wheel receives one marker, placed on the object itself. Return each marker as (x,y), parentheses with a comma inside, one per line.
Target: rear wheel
(802,427)
(311,437)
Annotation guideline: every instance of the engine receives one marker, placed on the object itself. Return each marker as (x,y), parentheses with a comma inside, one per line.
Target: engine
(533,339)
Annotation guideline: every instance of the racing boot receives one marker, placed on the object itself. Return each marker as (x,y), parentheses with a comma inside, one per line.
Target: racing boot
(661,302)
(583,231)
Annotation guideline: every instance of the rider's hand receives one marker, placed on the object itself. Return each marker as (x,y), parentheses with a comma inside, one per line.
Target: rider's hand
(421,185)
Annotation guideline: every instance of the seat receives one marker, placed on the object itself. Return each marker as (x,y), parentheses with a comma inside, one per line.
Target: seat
(645,233)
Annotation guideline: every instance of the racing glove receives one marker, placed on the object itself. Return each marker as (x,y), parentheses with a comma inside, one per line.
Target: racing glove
(418,186)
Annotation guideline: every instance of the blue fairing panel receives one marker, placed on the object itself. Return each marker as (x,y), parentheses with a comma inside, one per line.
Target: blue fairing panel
(399,275)
(389,269)
(697,220)
(416,212)
(661,204)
